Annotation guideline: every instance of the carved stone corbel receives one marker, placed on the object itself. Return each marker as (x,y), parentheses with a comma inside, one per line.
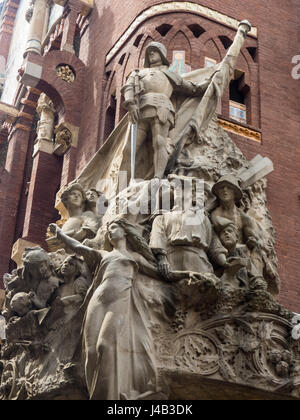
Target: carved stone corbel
(63,139)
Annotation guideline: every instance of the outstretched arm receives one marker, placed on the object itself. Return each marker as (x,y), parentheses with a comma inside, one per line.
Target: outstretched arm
(74,245)
(146,267)
(241,35)
(228,63)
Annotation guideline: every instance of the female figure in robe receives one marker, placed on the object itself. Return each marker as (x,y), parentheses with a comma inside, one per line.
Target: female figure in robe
(118,347)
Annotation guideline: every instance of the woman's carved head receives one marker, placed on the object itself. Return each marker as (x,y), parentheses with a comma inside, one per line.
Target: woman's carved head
(73,197)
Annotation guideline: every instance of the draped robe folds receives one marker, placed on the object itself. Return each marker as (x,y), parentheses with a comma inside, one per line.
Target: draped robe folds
(190,113)
(118,346)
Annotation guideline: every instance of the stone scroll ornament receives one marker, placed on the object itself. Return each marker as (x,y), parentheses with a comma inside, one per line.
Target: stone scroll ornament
(146,305)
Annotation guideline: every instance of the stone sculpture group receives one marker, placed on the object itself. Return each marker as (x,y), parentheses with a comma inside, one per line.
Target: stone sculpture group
(129,305)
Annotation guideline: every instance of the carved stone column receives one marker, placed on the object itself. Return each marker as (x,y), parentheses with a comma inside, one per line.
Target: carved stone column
(37,25)
(45,166)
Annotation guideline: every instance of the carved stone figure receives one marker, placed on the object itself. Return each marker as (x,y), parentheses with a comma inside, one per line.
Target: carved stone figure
(57,258)
(150,96)
(184,240)
(46,111)
(73,199)
(242,272)
(119,360)
(229,193)
(81,224)
(91,216)
(22,303)
(193,115)
(92,197)
(62,139)
(159,303)
(74,284)
(38,276)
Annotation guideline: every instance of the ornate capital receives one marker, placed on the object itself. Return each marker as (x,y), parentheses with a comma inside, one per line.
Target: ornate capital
(44,104)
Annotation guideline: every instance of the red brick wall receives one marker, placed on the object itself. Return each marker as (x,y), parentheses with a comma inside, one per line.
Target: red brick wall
(275,107)
(41,197)
(7,25)
(11,193)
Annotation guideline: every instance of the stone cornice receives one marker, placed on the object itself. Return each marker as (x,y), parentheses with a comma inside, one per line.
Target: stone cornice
(240,130)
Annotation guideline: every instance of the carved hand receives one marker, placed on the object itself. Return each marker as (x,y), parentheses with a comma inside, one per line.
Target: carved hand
(221,260)
(134,113)
(237,262)
(245,27)
(164,267)
(54,228)
(201,87)
(31,295)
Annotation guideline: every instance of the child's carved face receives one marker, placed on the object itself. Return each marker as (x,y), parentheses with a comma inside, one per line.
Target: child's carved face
(228,237)
(75,198)
(70,267)
(21,303)
(92,196)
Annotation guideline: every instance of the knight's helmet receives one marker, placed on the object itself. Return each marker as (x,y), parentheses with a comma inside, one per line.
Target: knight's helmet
(162,51)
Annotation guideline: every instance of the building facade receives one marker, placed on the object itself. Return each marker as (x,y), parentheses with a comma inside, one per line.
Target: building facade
(79,55)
